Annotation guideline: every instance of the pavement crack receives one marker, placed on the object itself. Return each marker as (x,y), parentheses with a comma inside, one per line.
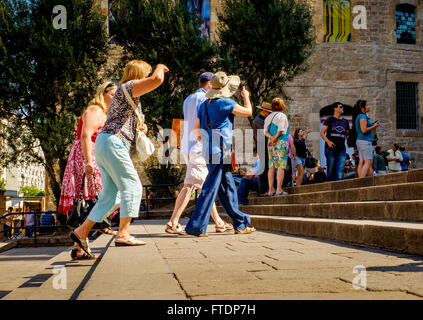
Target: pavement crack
(268,264)
(203,254)
(230,249)
(268,248)
(270,257)
(296,251)
(181,286)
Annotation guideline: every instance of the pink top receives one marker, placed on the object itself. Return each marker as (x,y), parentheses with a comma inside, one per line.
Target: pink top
(79,131)
(290,139)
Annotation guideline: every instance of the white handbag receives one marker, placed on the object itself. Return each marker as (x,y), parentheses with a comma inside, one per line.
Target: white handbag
(144,148)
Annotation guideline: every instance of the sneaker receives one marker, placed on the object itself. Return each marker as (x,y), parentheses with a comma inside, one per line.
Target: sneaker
(174,229)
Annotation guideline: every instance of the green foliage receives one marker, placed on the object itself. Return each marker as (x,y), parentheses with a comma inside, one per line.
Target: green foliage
(266,43)
(163,174)
(47,77)
(30,191)
(163,31)
(2,183)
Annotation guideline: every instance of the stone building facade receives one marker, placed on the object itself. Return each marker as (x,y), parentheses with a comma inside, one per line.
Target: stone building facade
(367,67)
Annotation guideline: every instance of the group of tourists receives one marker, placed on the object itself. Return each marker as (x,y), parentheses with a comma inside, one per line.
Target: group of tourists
(100,159)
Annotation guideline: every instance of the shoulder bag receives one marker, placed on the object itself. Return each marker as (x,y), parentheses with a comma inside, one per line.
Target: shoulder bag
(81,209)
(310,162)
(144,148)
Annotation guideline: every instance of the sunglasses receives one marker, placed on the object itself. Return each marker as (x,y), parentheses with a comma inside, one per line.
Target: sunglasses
(342,107)
(111,84)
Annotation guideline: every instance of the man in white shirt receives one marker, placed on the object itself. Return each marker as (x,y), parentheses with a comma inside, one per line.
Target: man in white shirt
(191,149)
(394,158)
(249,181)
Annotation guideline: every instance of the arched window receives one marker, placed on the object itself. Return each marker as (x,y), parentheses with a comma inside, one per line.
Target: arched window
(336,20)
(406,23)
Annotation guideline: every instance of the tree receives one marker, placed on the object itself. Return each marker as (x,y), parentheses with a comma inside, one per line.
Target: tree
(265,42)
(163,31)
(47,77)
(29,191)
(2,183)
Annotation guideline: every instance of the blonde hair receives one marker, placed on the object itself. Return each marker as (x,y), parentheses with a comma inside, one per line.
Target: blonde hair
(98,99)
(278,105)
(135,70)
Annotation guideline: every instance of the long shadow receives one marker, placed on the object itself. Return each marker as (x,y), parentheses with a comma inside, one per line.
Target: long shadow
(408,267)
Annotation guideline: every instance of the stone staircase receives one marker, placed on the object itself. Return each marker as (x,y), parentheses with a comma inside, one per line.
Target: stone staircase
(384,212)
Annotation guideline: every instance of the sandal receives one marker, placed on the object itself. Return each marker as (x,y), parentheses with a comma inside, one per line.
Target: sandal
(84,256)
(282,193)
(174,229)
(109,231)
(198,234)
(245,231)
(83,244)
(225,227)
(129,242)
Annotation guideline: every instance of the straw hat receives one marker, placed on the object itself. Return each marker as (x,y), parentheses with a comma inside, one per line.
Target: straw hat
(266,106)
(223,86)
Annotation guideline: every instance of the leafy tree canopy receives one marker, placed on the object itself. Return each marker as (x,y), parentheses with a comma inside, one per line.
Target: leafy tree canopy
(47,77)
(266,43)
(29,191)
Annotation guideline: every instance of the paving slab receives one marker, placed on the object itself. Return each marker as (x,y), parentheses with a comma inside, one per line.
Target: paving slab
(261,265)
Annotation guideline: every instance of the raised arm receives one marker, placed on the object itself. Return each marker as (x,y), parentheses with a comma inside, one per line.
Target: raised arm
(246,110)
(364,128)
(143,86)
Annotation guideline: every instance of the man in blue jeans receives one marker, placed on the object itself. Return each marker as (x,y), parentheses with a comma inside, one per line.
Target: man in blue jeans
(336,129)
(250,181)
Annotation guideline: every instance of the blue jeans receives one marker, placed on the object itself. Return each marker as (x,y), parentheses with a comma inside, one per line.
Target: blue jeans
(335,160)
(121,184)
(245,185)
(218,182)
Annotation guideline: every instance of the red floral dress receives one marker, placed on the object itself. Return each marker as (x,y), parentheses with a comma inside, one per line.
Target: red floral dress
(72,179)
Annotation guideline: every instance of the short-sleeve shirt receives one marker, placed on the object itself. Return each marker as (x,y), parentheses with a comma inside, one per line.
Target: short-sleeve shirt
(192,104)
(405,160)
(280,120)
(369,136)
(222,120)
(337,132)
(122,120)
(301,147)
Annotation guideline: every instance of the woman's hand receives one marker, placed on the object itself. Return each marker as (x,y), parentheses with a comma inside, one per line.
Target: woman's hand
(377,124)
(162,66)
(89,168)
(273,141)
(144,129)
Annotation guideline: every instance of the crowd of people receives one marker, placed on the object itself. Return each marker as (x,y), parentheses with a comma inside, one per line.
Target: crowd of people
(100,166)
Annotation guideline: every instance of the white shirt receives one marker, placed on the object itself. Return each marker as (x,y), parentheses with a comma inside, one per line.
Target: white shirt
(190,144)
(277,118)
(394,165)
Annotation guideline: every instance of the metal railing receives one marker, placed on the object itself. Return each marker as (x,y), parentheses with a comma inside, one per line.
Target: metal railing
(37,224)
(155,186)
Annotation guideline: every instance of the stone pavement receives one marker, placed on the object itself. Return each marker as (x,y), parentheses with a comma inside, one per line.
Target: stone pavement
(262,265)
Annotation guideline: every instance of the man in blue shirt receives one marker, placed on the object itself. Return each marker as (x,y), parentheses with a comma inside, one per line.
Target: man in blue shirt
(196,171)
(405,163)
(215,123)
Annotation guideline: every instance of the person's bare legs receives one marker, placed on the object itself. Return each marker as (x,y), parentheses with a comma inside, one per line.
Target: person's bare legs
(181,203)
(271,180)
(280,176)
(123,233)
(365,169)
(215,216)
(360,167)
(82,233)
(300,176)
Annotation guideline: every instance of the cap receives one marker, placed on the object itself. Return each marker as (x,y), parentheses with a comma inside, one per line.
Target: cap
(206,76)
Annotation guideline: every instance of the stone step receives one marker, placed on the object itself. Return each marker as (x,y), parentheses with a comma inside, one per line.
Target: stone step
(411,210)
(392,236)
(382,180)
(394,192)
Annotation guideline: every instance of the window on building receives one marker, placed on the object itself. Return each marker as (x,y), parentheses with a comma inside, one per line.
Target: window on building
(406,23)
(336,21)
(407,112)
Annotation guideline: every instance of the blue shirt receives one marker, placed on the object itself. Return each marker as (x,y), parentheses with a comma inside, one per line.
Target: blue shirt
(192,104)
(222,120)
(405,160)
(369,136)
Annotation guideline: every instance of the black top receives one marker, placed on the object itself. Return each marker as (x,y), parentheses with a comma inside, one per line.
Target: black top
(319,176)
(337,132)
(301,147)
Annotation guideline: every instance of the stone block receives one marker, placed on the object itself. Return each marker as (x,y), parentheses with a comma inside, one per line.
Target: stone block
(393,178)
(415,175)
(388,238)
(381,193)
(320,210)
(407,211)
(414,241)
(348,195)
(351,233)
(410,191)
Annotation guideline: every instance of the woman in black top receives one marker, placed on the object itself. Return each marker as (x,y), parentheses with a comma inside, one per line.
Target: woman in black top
(300,146)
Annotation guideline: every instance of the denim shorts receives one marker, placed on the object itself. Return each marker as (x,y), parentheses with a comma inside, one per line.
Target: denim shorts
(365,149)
(300,161)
